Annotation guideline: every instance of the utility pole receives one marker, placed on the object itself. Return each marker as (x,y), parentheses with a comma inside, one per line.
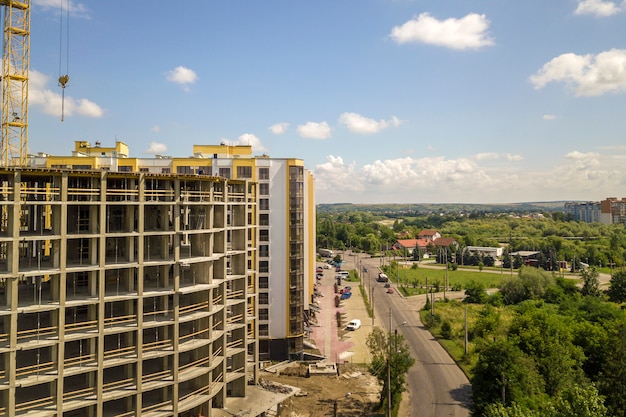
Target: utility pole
(389,370)
(445,280)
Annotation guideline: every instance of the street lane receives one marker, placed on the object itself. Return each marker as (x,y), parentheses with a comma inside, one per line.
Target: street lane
(436,385)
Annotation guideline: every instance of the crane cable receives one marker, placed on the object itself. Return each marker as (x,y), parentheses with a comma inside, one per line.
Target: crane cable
(64,79)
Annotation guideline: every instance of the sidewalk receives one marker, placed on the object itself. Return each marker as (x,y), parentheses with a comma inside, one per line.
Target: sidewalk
(336,343)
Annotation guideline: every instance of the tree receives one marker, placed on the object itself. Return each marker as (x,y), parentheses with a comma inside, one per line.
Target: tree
(613,377)
(390,357)
(591,282)
(505,374)
(617,287)
(475,293)
(578,401)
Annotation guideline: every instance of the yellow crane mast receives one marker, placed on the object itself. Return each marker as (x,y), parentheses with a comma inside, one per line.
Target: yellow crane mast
(15,65)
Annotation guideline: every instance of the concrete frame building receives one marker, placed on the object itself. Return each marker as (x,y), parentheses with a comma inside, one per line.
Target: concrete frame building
(130,286)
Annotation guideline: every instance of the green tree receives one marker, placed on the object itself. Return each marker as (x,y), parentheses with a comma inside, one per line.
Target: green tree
(613,377)
(578,401)
(475,293)
(591,282)
(513,410)
(504,373)
(617,287)
(547,337)
(390,354)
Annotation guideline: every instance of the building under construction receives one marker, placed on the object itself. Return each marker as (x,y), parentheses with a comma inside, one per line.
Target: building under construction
(125,293)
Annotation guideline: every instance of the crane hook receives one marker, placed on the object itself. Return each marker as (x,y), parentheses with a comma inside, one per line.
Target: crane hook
(63,80)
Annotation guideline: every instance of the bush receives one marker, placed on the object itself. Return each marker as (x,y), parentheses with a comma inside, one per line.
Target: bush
(446,330)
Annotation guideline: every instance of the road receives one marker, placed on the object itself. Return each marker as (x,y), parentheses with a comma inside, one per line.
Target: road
(436,385)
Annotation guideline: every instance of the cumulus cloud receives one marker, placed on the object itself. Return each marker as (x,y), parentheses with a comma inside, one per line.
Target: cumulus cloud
(156,148)
(468,32)
(578,175)
(248,139)
(279,128)
(182,76)
(490,156)
(357,123)
(590,75)
(599,8)
(51,102)
(486,155)
(76,9)
(336,175)
(512,157)
(313,130)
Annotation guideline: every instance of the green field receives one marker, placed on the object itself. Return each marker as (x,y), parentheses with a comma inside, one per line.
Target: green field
(416,280)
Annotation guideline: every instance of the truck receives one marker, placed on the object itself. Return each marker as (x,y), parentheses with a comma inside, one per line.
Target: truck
(382,278)
(325,253)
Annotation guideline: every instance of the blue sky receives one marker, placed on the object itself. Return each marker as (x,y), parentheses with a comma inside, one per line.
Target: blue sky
(386,101)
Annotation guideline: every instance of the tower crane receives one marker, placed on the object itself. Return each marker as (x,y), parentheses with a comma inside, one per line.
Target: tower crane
(15,65)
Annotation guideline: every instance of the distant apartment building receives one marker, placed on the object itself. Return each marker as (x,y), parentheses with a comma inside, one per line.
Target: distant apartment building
(608,211)
(583,211)
(130,286)
(613,211)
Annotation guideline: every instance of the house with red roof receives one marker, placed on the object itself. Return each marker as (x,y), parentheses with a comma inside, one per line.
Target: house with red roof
(429,234)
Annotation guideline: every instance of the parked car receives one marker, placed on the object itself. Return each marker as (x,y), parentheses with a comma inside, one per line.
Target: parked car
(353,324)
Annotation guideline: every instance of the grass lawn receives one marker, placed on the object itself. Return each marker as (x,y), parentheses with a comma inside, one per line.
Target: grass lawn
(416,280)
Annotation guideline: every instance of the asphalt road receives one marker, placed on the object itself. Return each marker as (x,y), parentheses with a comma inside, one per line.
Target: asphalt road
(437,387)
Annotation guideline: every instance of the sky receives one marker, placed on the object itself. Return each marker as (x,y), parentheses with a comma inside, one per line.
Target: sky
(386,101)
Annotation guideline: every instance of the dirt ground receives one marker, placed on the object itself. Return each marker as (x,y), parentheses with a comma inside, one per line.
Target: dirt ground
(355,390)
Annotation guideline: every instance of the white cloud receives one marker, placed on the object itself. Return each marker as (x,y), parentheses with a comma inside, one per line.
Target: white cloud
(313,130)
(357,123)
(590,75)
(334,175)
(248,139)
(156,128)
(279,128)
(512,157)
(549,117)
(76,9)
(578,175)
(599,8)
(469,32)
(52,103)
(156,149)
(489,156)
(486,156)
(183,76)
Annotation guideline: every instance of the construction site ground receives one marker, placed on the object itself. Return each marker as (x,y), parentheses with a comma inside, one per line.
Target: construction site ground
(355,391)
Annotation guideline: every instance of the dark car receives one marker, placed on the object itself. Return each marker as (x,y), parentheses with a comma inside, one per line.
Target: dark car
(387,285)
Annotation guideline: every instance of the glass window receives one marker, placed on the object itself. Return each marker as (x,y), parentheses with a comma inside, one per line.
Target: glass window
(264,173)
(244,172)
(224,172)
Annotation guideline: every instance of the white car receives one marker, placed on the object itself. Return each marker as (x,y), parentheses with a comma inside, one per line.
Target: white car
(353,324)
